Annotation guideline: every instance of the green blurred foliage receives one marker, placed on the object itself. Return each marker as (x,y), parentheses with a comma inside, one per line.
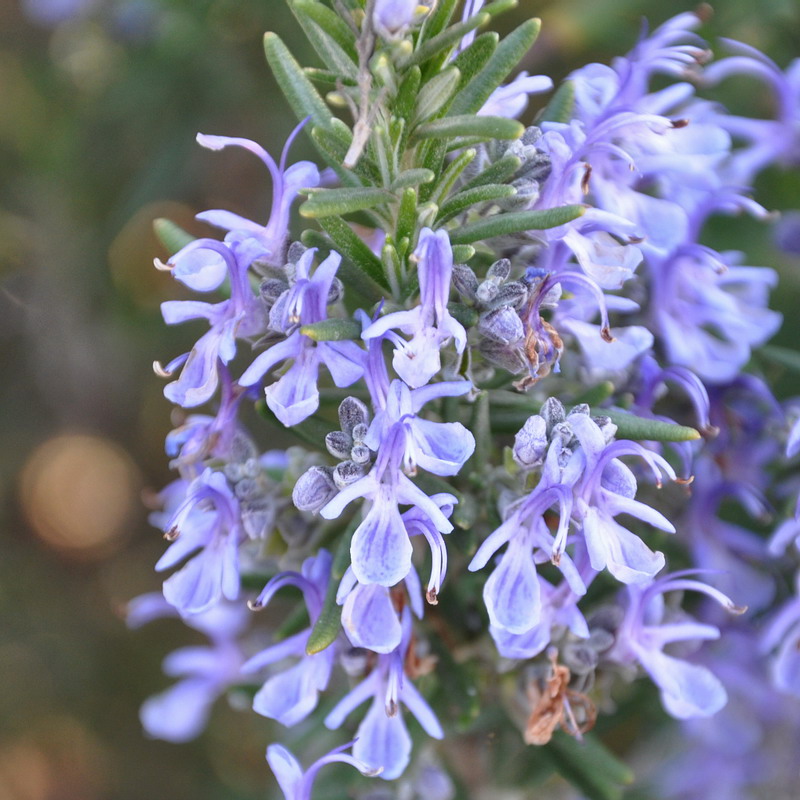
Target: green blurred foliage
(96,140)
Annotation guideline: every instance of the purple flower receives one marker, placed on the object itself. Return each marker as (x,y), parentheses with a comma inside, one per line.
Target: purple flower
(430,323)
(583,477)
(249,240)
(382,739)
(606,489)
(710,312)
(687,690)
(294,396)
(769,141)
(381,550)
(180,713)
(783,633)
(558,609)
(202,265)
(291,695)
(296,784)
(369,616)
(203,524)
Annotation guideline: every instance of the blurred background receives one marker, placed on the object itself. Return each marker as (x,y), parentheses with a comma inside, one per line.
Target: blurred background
(101,100)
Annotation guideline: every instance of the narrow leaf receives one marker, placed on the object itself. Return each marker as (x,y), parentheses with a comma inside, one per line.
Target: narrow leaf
(503,61)
(407,94)
(172,236)
(350,245)
(329,622)
(444,40)
(413,177)
(480,194)
(589,766)
(330,22)
(515,222)
(407,215)
(327,202)
(463,253)
(327,77)
(629,426)
(332,330)
(518,407)
(498,172)
(451,175)
(470,61)
(303,98)
(328,49)
(435,94)
(561,105)
(470,125)
(438,19)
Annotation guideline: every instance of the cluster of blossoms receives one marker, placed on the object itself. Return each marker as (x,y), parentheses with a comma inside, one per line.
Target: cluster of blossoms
(456,310)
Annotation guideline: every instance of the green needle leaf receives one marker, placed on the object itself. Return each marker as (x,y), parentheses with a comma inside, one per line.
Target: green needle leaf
(470,125)
(561,105)
(413,177)
(328,202)
(329,623)
(515,222)
(353,248)
(303,98)
(332,330)
(480,194)
(172,236)
(503,61)
(444,40)
(589,766)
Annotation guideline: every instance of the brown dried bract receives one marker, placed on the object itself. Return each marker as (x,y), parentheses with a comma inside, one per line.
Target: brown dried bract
(554,705)
(416,665)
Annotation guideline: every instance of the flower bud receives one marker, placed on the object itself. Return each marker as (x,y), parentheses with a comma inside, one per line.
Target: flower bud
(314,489)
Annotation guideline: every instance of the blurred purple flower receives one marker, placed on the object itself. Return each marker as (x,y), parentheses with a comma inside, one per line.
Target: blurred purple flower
(180,713)
(296,784)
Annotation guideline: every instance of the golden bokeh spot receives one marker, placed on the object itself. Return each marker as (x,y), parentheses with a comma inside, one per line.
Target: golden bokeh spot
(78,493)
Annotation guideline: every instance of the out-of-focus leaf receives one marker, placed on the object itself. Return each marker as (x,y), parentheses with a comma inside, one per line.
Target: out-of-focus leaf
(589,766)
(436,93)
(332,330)
(561,104)
(172,236)
(303,98)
